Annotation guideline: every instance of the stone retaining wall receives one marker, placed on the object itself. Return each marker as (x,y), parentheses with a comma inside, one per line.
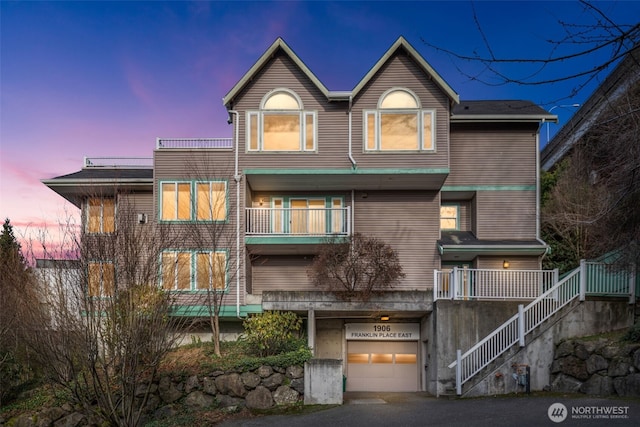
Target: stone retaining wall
(599,366)
(262,388)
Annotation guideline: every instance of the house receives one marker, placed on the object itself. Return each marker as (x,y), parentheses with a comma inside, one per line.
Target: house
(451,185)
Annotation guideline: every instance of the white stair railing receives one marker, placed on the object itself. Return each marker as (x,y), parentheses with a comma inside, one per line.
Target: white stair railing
(514,330)
(590,278)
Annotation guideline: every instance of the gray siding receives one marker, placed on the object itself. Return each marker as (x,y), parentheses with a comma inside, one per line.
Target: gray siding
(515,262)
(281,273)
(492,155)
(332,119)
(402,72)
(409,222)
(206,165)
(506,215)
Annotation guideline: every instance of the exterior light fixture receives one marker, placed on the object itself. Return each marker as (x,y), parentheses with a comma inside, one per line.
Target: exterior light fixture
(384,317)
(505,264)
(261,201)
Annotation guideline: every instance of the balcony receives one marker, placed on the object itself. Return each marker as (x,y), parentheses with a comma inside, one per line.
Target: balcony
(485,284)
(194,143)
(294,230)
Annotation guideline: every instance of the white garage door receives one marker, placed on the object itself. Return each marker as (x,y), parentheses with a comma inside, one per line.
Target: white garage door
(382,366)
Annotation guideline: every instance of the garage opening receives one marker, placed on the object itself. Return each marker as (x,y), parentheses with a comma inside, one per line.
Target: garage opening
(381,365)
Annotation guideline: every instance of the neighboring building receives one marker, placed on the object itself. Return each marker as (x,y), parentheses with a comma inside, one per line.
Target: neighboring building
(447,183)
(624,77)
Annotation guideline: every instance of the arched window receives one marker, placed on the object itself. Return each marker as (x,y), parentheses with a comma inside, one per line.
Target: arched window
(399,124)
(282,124)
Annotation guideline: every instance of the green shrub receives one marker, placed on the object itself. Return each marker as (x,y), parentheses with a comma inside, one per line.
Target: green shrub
(633,334)
(272,332)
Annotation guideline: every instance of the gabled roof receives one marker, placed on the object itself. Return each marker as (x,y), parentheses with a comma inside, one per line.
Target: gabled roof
(402,43)
(280,44)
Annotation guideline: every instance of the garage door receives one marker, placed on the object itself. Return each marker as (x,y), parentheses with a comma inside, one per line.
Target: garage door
(382,366)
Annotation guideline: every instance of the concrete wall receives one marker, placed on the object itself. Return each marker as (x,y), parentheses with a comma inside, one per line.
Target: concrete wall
(586,319)
(323,382)
(457,325)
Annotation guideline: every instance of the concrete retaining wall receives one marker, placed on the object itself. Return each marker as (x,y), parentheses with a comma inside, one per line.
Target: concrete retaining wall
(323,382)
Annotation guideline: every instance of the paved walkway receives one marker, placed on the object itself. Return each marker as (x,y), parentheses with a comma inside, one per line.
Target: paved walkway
(421,409)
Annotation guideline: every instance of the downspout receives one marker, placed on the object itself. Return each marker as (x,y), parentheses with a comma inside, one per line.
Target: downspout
(538,193)
(353,161)
(238,179)
(353,166)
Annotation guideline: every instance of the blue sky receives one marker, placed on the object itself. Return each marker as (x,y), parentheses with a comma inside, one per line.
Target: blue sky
(97,78)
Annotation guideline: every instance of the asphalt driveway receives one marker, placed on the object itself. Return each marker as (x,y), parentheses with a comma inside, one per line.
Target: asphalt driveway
(420,409)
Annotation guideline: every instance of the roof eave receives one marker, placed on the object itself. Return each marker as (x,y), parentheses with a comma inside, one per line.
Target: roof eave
(467,118)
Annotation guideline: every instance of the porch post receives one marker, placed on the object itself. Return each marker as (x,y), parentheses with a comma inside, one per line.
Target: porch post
(521,325)
(459,372)
(311,330)
(583,279)
(454,283)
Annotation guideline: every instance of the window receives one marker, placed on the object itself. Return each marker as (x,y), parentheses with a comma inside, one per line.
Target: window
(449,216)
(101,278)
(282,124)
(101,214)
(399,124)
(194,270)
(211,270)
(188,201)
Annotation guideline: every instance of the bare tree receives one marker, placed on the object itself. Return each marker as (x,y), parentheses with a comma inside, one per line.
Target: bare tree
(109,321)
(213,235)
(17,292)
(357,268)
(580,42)
(594,206)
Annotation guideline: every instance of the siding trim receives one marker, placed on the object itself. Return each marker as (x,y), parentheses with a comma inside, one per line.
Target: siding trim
(225,310)
(488,188)
(381,171)
(299,240)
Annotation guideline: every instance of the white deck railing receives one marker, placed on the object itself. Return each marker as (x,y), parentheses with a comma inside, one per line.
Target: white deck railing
(589,278)
(119,162)
(194,143)
(298,222)
(471,283)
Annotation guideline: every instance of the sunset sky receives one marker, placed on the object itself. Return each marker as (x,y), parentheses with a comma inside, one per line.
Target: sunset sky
(106,79)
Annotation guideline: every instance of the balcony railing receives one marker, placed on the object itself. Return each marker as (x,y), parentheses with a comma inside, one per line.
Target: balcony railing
(298,222)
(470,283)
(194,143)
(119,162)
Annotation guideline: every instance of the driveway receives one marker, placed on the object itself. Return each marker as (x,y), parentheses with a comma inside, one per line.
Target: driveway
(420,409)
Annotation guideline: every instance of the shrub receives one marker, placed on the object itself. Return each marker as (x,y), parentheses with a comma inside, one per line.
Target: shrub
(272,332)
(633,334)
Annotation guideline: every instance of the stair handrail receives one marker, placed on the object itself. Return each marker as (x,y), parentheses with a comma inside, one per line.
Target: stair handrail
(514,329)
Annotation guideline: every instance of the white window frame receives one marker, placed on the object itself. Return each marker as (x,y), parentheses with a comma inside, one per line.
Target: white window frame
(422,115)
(303,114)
